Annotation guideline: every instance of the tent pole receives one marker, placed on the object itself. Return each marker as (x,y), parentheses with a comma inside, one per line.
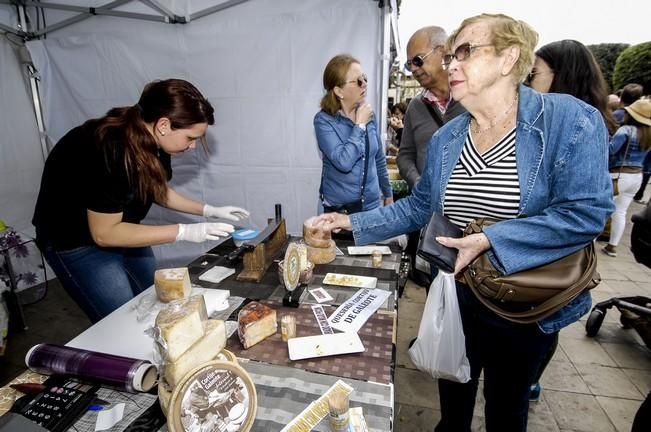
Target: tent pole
(385,69)
(210,10)
(33,84)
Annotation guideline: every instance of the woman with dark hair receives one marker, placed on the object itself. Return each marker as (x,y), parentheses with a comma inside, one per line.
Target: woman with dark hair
(567,66)
(99,182)
(354,175)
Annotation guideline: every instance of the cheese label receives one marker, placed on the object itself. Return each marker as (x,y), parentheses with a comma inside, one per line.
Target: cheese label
(216,397)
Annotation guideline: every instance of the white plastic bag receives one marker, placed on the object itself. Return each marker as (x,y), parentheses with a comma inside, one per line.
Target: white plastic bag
(440,348)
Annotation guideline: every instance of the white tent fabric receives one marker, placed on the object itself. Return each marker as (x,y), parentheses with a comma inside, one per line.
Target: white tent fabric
(21,159)
(260,63)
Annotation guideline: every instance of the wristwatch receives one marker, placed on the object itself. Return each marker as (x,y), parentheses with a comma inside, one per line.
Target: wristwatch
(362,126)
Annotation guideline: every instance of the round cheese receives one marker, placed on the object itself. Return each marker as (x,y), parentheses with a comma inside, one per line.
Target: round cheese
(319,255)
(315,236)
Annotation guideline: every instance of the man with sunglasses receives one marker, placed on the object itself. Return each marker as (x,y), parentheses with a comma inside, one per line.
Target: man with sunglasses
(425,115)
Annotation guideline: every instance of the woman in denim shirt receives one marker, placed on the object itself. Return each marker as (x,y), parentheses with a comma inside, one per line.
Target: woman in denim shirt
(345,127)
(564,192)
(628,150)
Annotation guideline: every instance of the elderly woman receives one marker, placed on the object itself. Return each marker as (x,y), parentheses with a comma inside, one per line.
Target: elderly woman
(354,176)
(513,156)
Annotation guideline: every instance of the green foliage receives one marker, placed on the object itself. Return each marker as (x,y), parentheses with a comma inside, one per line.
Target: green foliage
(606,55)
(634,66)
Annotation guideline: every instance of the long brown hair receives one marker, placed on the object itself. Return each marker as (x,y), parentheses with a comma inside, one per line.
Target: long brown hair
(175,99)
(334,75)
(643,131)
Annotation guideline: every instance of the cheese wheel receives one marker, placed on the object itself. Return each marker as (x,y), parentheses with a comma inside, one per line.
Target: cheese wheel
(315,236)
(322,255)
(172,284)
(255,322)
(203,350)
(180,325)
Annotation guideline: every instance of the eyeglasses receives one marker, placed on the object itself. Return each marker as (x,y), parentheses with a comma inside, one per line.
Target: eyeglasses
(462,52)
(361,80)
(419,60)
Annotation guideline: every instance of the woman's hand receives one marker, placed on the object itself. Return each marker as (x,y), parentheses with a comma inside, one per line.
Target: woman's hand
(200,232)
(395,123)
(228,212)
(333,222)
(363,113)
(470,247)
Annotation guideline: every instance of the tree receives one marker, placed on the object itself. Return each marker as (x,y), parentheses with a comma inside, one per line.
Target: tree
(606,55)
(634,66)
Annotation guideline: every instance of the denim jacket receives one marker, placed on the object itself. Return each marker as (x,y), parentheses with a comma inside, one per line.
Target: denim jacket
(342,145)
(566,192)
(634,157)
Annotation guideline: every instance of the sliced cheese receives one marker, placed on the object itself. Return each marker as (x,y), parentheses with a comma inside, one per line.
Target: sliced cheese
(172,284)
(256,322)
(181,325)
(203,350)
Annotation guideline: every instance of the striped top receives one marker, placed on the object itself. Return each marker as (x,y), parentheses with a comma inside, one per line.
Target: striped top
(484,185)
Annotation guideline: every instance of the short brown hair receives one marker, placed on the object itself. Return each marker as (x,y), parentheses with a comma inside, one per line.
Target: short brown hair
(334,75)
(506,32)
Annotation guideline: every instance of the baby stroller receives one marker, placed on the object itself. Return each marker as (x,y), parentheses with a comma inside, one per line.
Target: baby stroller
(636,310)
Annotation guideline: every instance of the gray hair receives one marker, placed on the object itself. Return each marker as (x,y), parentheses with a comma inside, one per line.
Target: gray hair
(436,35)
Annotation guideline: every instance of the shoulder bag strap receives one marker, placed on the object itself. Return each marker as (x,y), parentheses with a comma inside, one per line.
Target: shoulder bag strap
(433,113)
(366,158)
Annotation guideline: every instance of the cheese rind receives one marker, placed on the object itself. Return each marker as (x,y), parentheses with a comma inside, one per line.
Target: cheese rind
(322,255)
(181,325)
(256,322)
(315,236)
(172,284)
(205,349)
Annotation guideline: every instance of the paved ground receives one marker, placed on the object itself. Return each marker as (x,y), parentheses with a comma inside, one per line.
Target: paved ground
(591,385)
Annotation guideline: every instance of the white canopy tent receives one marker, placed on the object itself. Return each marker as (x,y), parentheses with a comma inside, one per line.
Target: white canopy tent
(259,62)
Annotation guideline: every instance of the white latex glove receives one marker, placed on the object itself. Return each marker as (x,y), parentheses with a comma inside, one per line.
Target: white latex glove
(228,212)
(200,232)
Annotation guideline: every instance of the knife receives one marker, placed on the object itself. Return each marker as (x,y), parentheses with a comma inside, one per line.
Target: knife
(252,243)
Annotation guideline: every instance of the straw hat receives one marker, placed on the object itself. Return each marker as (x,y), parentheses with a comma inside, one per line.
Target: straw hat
(640,110)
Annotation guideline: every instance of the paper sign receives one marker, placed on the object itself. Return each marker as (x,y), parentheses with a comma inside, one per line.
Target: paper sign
(351,315)
(321,295)
(322,319)
(108,418)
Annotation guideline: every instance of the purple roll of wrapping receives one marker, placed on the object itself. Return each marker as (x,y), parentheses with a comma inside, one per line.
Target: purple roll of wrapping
(123,373)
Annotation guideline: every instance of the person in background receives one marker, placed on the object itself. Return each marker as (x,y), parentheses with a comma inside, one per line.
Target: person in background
(628,150)
(613,102)
(531,145)
(431,109)
(646,174)
(99,182)
(396,126)
(426,113)
(568,66)
(630,93)
(347,134)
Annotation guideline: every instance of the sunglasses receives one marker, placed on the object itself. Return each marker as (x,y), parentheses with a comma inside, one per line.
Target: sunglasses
(462,52)
(361,80)
(419,60)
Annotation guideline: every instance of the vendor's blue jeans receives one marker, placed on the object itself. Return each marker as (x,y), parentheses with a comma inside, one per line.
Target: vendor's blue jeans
(102,279)
(510,355)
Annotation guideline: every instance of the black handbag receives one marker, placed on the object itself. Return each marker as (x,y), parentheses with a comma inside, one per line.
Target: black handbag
(434,252)
(354,206)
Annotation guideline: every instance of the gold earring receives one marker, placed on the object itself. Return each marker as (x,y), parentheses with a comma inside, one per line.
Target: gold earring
(162,133)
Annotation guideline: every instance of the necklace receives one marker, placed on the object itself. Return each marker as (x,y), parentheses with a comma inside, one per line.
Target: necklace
(494,122)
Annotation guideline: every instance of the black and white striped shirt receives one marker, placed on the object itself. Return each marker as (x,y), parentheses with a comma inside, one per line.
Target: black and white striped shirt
(484,185)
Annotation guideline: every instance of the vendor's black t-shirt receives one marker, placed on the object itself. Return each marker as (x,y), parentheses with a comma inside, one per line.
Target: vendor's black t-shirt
(81,174)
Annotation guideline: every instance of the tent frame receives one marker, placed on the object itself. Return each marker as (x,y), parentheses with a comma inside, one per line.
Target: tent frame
(389,33)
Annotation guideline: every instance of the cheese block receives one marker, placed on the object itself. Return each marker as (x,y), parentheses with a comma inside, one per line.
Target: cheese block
(255,322)
(322,255)
(172,284)
(315,236)
(302,255)
(203,350)
(181,325)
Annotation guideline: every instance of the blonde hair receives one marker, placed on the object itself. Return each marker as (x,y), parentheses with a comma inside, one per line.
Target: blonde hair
(506,32)
(334,75)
